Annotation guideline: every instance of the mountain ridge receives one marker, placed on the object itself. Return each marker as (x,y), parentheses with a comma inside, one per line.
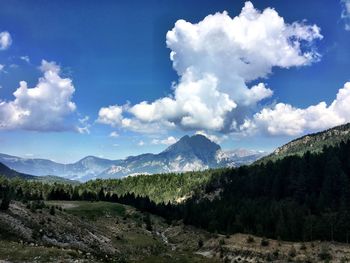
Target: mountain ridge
(313,142)
(190,153)
(10,173)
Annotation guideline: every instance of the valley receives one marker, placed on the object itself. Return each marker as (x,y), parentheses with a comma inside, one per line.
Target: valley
(105,232)
(294,208)
(174,131)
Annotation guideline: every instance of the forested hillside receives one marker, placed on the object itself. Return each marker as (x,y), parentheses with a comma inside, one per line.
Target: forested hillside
(297,198)
(159,188)
(313,143)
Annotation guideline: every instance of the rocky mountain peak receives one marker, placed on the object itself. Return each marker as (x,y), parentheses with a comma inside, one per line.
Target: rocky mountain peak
(196,144)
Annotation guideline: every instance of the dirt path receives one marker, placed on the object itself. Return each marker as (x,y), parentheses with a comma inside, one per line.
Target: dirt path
(64,205)
(165,239)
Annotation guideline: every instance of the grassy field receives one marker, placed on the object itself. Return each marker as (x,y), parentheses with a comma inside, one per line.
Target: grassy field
(90,210)
(15,252)
(176,257)
(126,228)
(111,232)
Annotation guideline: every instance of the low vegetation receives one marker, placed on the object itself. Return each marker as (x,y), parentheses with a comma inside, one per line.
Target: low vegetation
(298,198)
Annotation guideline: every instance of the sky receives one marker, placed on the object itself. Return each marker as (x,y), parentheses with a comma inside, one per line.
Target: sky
(120,78)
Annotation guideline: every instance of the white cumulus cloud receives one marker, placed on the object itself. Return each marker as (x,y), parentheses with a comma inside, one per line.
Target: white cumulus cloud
(114,134)
(5,40)
(284,119)
(111,115)
(167,141)
(42,108)
(216,59)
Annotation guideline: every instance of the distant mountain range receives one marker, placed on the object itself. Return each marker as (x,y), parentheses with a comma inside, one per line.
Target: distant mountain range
(311,142)
(188,154)
(9,173)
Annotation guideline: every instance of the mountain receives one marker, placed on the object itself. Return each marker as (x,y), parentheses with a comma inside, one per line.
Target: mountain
(9,173)
(188,154)
(86,168)
(239,157)
(311,142)
(51,179)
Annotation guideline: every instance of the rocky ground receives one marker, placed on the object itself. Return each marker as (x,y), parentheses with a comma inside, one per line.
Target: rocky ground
(107,232)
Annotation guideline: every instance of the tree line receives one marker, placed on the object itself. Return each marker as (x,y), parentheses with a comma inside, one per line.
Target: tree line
(298,198)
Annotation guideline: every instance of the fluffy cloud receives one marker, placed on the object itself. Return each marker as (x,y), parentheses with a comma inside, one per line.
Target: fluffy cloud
(5,40)
(284,119)
(345,15)
(111,115)
(25,58)
(197,103)
(84,127)
(42,108)
(167,141)
(216,59)
(2,68)
(114,134)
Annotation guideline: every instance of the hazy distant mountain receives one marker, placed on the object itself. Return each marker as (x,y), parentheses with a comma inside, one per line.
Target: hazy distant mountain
(9,173)
(311,142)
(188,154)
(85,168)
(239,157)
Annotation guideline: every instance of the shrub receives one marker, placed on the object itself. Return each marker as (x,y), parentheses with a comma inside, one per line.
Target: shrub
(292,252)
(5,203)
(250,239)
(324,254)
(52,210)
(200,243)
(264,242)
(276,253)
(302,246)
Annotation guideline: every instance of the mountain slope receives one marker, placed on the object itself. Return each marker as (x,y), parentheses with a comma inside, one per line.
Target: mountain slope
(9,173)
(311,142)
(188,154)
(87,167)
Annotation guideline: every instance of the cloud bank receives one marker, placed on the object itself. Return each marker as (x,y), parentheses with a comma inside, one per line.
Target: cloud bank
(215,60)
(42,108)
(284,119)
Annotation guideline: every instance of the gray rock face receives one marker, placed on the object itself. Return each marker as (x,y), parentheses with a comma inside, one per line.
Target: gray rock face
(188,154)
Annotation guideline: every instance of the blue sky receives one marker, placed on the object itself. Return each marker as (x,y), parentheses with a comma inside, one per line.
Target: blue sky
(116,55)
